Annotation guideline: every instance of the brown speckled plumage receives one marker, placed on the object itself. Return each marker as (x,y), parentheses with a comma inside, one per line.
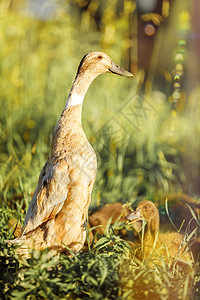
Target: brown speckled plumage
(58,210)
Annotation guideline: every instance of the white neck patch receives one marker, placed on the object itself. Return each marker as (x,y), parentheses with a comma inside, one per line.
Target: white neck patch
(74,99)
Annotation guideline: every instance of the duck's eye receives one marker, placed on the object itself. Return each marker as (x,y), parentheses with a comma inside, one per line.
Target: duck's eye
(100,57)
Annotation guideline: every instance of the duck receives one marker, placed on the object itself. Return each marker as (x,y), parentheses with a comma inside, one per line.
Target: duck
(179,207)
(108,214)
(57,213)
(156,246)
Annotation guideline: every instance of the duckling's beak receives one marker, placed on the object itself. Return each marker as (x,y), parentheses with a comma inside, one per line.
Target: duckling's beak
(134,217)
(118,70)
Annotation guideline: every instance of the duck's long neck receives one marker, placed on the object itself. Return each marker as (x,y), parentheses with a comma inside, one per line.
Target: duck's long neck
(70,121)
(79,88)
(153,227)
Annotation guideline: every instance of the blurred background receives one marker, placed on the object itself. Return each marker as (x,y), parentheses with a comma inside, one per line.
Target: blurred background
(144,130)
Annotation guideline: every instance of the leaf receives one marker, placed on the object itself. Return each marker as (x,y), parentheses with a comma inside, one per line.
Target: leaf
(167,211)
(102,242)
(104,273)
(193,214)
(91,280)
(19,295)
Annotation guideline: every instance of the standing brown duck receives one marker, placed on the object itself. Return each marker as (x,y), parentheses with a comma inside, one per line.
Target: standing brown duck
(168,245)
(57,212)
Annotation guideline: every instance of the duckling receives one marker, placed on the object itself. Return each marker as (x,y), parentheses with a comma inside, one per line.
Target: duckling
(57,213)
(107,215)
(110,212)
(169,245)
(178,206)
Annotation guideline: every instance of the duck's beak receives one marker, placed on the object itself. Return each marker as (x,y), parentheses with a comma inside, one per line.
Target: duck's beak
(134,217)
(118,70)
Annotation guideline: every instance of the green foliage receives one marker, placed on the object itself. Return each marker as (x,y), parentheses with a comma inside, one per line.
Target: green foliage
(107,271)
(162,282)
(87,275)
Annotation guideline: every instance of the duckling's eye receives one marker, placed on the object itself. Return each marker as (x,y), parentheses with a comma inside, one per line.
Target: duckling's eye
(100,57)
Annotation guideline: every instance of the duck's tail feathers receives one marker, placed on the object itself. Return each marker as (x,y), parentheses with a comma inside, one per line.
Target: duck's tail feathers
(22,247)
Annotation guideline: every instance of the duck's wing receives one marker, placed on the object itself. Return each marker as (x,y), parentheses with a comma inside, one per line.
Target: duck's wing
(49,196)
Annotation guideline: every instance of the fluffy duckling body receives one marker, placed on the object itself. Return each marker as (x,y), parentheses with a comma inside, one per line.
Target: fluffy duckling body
(57,213)
(154,244)
(110,213)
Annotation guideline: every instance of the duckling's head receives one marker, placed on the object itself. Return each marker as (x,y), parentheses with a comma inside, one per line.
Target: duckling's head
(148,211)
(96,63)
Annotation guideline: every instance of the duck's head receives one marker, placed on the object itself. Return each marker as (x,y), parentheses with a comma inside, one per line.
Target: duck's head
(96,63)
(148,211)
(91,65)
